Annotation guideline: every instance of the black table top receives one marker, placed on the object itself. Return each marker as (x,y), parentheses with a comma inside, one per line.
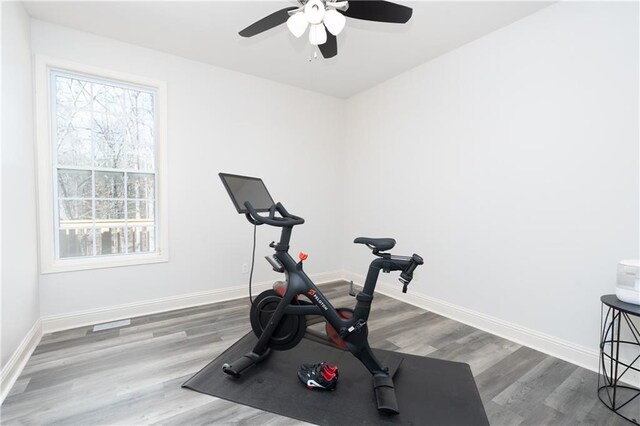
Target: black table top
(614,302)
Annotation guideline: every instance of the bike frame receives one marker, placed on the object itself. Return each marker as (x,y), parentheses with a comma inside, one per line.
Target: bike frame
(351,330)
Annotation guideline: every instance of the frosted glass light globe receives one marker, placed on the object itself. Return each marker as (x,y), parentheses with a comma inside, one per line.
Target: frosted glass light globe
(334,21)
(297,24)
(317,34)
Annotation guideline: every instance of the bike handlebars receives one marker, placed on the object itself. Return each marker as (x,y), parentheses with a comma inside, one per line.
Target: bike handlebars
(286,220)
(407,275)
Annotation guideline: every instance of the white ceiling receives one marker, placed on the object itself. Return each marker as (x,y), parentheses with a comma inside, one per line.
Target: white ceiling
(368,52)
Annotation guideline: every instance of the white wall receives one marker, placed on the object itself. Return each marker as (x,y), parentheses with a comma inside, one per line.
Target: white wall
(218,120)
(511,164)
(20,300)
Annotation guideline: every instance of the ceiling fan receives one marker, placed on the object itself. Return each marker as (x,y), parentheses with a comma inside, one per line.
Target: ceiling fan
(323,15)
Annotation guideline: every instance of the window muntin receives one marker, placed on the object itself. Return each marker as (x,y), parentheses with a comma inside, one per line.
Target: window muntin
(104,157)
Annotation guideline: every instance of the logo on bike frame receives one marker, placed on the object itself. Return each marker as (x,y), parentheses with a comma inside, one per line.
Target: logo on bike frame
(312,293)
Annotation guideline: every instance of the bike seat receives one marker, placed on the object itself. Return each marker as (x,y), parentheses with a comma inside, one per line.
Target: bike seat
(379,244)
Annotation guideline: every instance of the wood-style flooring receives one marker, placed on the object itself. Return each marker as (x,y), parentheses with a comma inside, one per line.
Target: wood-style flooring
(132,375)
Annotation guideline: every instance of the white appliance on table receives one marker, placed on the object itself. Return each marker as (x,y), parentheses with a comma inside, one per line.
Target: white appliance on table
(628,281)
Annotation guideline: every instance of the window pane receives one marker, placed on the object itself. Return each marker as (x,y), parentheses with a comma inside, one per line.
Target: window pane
(140,130)
(145,103)
(76,242)
(74,124)
(102,131)
(74,183)
(110,210)
(109,185)
(109,127)
(140,209)
(108,99)
(142,239)
(145,128)
(110,154)
(72,211)
(63,122)
(73,94)
(80,126)
(137,103)
(140,157)
(110,241)
(74,152)
(140,185)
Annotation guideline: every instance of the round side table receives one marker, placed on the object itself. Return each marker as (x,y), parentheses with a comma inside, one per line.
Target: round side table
(614,316)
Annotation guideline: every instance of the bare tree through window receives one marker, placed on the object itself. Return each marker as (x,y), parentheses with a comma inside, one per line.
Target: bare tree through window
(105,167)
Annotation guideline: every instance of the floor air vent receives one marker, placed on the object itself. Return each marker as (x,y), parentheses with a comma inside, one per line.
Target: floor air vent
(110,325)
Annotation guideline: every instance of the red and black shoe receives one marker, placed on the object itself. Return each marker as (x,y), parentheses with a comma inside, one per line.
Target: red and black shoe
(318,376)
(330,368)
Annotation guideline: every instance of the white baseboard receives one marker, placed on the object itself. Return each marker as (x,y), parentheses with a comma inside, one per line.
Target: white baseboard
(12,369)
(559,348)
(88,317)
(551,345)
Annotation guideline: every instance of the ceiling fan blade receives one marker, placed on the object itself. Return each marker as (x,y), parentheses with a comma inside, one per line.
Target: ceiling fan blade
(268,22)
(329,49)
(379,11)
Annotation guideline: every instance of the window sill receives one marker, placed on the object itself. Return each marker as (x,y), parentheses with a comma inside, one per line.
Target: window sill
(70,265)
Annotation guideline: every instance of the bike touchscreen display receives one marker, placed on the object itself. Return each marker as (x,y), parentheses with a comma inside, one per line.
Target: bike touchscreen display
(246,188)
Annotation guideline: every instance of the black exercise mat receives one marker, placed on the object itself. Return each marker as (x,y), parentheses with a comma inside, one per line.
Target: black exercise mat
(429,391)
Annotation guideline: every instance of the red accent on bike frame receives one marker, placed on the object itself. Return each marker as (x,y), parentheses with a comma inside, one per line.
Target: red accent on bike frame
(334,335)
(281,289)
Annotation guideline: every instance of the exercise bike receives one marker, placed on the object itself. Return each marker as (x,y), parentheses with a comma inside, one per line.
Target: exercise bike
(278,315)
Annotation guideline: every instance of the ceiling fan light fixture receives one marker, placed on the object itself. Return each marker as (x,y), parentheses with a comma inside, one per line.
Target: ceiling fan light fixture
(317,34)
(328,15)
(334,21)
(297,24)
(314,11)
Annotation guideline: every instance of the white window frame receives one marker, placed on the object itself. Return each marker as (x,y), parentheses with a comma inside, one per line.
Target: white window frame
(47,207)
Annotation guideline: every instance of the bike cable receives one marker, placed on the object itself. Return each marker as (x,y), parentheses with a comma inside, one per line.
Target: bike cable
(253,261)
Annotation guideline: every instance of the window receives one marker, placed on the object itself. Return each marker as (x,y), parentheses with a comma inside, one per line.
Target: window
(103,144)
